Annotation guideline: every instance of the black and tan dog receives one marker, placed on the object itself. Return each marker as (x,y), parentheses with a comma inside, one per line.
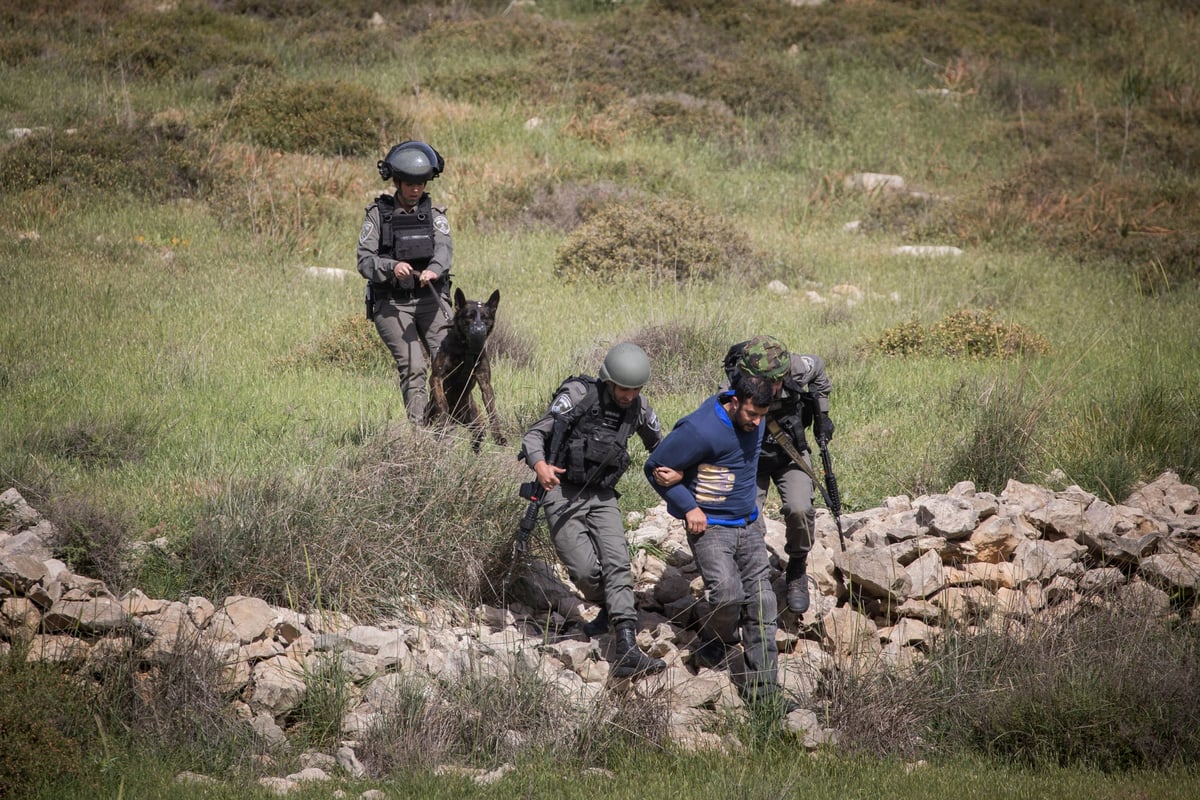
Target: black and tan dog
(460,365)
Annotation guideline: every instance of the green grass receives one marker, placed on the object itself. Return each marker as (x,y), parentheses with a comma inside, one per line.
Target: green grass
(157,326)
(777,773)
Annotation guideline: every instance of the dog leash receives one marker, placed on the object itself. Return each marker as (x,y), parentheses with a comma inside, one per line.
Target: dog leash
(440,301)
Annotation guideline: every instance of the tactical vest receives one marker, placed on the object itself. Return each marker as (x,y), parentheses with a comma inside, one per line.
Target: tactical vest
(595,453)
(793,412)
(406,237)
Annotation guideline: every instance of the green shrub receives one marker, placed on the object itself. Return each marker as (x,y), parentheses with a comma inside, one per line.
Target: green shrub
(912,217)
(45,727)
(664,240)
(413,515)
(676,115)
(968,333)
(905,339)
(978,334)
(97,443)
(353,345)
(1134,433)
(328,696)
(327,117)
(92,535)
(1110,690)
(998,442)
(182,42)
(122,160)
(1107,688)
(17,49)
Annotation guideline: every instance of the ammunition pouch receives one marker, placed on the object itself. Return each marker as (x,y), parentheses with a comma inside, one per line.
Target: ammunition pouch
(598,460)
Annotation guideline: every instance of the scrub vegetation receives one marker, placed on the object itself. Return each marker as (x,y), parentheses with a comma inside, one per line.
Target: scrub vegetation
(678,174)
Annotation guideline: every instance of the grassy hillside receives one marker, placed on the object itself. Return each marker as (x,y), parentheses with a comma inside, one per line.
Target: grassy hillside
(679,174)
(619,171)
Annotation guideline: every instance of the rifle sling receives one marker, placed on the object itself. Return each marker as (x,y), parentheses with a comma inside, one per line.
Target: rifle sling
(784,441)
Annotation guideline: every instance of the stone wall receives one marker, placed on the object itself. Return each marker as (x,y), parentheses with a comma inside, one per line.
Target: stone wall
(911,568)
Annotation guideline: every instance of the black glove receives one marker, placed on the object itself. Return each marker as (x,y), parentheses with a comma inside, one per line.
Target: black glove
(823,428)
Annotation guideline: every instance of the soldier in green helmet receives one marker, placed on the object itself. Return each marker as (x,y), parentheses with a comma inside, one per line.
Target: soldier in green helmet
(594,418)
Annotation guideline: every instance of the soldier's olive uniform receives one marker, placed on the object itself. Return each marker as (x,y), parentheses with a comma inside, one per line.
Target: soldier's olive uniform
(407,315)
(585,522)
(806,376)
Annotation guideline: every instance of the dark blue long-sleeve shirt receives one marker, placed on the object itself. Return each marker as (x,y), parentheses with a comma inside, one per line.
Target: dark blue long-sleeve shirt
(718,461)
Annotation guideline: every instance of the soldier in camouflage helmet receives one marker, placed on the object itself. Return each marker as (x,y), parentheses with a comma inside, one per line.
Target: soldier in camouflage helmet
(764,356)
(801,401)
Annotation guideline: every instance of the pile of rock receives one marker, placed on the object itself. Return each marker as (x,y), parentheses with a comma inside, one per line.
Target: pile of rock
(911,568)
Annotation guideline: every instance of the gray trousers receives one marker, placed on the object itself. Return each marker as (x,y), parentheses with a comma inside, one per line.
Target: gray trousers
(409,329)
(589,537)
(738,595)
(796,503)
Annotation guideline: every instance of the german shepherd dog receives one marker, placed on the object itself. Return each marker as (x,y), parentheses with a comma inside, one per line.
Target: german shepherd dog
(461,364)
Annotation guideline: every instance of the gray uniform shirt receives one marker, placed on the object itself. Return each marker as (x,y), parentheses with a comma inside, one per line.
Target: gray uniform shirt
(381,269)
(809,372)
(537,438)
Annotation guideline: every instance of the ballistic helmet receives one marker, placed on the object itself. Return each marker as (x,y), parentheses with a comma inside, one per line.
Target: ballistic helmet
(411,162)
(626,365)
(765,357)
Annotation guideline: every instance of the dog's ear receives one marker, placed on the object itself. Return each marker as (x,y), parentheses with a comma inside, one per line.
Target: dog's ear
(460,299)
(494,301)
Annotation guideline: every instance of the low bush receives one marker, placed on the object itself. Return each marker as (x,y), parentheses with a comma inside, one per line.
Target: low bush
(46,729)
(327,117)
(352,345)
(133,160)
(967,333)
(413,515)
(998,443)
(486,720)
(1135,432)
(173,704)
(670,241)
(672,116)
(1106,688)
(92,536)
(182,42)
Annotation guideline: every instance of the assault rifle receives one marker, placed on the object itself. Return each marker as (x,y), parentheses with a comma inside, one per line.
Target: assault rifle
(833,498)
(534,493)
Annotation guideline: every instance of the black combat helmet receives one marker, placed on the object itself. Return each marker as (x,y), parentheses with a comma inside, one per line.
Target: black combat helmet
(411,162)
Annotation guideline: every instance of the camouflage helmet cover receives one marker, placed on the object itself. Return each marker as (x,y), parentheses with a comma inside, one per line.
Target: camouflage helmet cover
(766,357)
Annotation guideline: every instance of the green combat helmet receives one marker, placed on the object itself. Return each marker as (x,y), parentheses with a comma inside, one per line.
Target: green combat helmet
(764,357)
(626,365)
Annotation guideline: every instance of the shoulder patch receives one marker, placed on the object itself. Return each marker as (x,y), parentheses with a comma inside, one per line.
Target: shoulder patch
(562,404)
(652,420)
(441,225)
(368,231)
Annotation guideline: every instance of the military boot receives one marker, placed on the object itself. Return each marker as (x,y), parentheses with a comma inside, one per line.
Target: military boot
(797,585)
(598,626)
(630,660)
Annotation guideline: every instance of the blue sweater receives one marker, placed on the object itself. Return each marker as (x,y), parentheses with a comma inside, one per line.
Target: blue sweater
(719,463)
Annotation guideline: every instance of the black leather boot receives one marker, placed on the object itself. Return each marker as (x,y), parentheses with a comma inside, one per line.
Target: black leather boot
(598,626)
(630,660)
(797,585)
